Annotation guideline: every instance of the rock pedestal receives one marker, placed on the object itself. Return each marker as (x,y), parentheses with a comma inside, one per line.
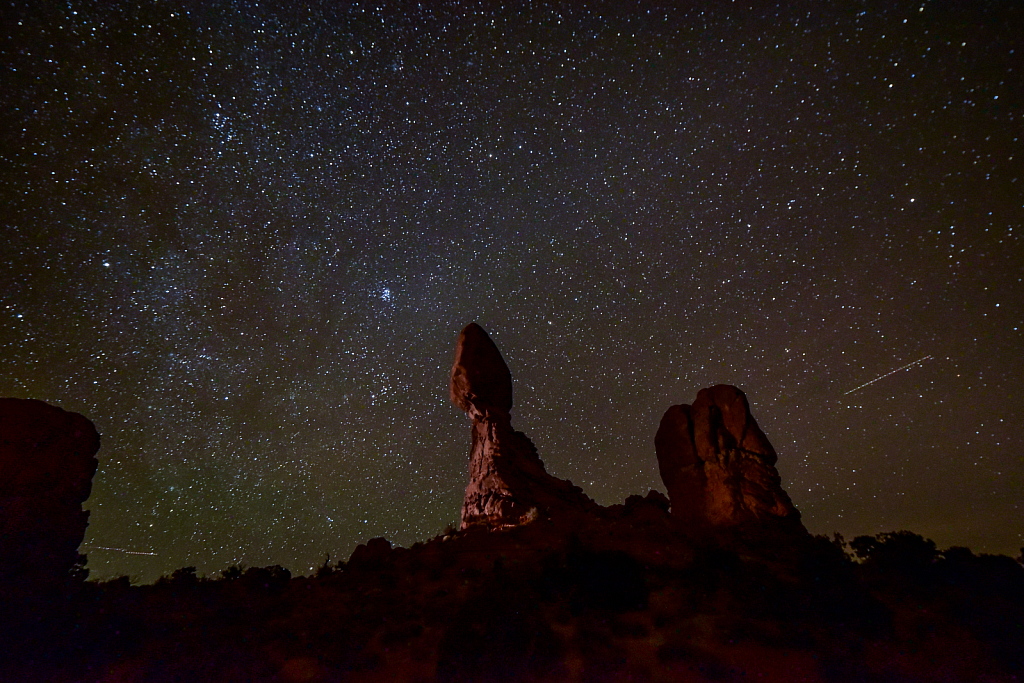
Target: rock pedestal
(718,465)
(508,484)
(47,461)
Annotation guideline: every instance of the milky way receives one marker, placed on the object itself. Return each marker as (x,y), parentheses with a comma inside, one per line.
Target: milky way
(242,238)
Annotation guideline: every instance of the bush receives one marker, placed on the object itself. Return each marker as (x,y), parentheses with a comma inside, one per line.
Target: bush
(186,576)
(232,573)
(901,552)
(271,579)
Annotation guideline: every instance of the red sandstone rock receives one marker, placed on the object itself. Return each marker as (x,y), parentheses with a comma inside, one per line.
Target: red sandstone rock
(508,484)
(481,382)
(47,461)
(718,465)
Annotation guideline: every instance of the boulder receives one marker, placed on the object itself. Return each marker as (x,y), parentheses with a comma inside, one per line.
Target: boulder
(481,383)
(372,555)
(718,466)
(508,484)
(47,461)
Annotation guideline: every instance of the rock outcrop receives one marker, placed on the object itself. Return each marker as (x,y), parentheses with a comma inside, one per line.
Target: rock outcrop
(47,461)
(718,465)
(372,555)
(508,484)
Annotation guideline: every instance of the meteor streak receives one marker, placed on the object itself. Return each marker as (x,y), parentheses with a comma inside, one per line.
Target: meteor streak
(919,360)
(120,550)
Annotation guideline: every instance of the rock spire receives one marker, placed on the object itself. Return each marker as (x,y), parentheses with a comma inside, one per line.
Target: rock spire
(508,484)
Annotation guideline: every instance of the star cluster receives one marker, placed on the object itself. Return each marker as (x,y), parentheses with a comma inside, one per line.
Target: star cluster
(242,237)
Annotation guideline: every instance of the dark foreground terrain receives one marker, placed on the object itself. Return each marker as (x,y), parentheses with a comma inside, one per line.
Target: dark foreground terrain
(621,595)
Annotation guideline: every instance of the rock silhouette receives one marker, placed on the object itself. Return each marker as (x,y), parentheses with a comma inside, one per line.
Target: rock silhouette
(718,465)
(508,484)
(47,461)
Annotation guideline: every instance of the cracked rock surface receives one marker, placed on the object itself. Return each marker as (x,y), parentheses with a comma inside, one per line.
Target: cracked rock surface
(718,465)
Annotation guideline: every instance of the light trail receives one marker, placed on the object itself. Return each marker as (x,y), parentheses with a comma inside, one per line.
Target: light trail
(120,550)
(908,365)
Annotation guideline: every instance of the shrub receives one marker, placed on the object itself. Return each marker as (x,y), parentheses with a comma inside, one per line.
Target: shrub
(186,576)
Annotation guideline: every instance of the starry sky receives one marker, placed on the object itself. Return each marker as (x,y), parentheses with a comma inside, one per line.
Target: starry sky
(242,238)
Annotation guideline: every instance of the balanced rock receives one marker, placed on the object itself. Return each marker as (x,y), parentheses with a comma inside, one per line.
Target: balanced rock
(508,484)
(718,465)
(481,382)
(47,461)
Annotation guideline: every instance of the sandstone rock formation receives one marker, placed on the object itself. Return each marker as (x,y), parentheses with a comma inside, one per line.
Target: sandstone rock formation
(508,484)
(47,461)
(718,465)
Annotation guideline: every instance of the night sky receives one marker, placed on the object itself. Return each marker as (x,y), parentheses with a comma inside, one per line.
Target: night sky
(242,239)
